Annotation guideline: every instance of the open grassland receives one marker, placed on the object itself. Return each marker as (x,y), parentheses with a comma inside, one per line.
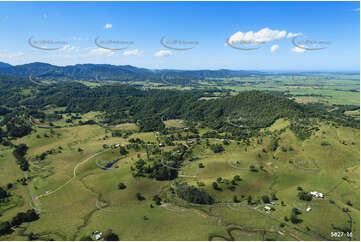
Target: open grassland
(77,197)
(325,88)
(329,88)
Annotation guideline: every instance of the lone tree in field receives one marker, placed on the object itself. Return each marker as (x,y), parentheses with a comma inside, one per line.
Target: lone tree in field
(157,200)
(237,178)
(139,196)
(253,168)
(121,186)
(215,186)
(110,236)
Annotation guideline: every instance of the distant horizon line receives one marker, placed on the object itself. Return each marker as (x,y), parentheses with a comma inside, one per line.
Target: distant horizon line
(175,69)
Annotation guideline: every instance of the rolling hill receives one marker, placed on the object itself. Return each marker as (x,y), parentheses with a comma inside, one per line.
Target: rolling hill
(99,72)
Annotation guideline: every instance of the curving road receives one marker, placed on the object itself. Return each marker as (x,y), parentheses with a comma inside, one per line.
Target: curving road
(74,175)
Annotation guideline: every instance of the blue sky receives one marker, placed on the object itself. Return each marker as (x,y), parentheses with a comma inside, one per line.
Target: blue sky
(205,26)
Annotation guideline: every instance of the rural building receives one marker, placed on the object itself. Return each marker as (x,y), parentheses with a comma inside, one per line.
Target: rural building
(267,208)
(317,194)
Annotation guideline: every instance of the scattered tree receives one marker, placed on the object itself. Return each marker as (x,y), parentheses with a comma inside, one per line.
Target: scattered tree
(110,236)
(252,168)
(139,196)
(304,196)
(157,200)
(122,150)
(217,148)
(121,186)
(5,228)
(237,178)
(265,199)
(249,200)
(215,186)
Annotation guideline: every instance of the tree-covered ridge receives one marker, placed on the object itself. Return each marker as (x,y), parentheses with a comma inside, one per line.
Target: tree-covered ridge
(100,72)
(249,110)
(260,109)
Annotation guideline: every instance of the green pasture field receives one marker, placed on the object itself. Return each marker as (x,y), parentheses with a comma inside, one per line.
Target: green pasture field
(77,197)
(326,88)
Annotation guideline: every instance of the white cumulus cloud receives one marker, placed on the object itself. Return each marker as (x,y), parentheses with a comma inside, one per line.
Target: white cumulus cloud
(262,36)
(108,26)
(274,48)
(135,52)
(163,53)
(291,35)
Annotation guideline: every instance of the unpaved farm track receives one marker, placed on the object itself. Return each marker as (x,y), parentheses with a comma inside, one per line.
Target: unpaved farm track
(74,175)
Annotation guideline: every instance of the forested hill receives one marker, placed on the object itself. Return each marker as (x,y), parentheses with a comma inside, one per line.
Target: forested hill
(124,103)
(3,65)
(250,108)
(101,72)
(78,72)
(10,81)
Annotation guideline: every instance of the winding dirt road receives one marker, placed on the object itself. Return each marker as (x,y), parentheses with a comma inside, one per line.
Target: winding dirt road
(74,175)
